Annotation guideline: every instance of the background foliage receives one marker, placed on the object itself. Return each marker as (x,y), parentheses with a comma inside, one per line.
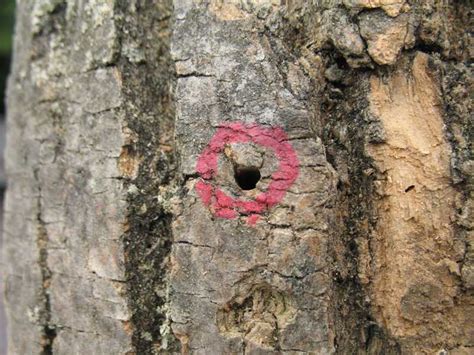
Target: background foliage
(6,32)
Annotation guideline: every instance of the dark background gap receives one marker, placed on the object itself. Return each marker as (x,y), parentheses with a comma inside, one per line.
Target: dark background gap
(7,10)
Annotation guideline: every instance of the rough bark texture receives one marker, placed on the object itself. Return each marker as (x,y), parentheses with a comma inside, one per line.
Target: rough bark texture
(89,130)
(238,286)
(244,177)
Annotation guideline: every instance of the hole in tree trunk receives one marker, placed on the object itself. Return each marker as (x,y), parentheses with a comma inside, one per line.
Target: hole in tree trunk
(246,177)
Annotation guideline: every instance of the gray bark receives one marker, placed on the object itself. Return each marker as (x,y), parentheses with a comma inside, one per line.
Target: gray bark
(267,283)
(77,87)
(113,245)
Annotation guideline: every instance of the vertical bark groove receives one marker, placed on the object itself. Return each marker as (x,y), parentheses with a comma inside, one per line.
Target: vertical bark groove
(48,329)
(147,161)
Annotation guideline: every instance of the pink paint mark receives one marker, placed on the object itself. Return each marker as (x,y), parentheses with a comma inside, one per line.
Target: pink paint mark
(225,206)
(226,213)
(253,219)
(223,200)
(205,192)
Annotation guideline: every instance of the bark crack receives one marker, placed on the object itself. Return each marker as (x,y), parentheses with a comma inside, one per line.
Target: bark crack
(48,330)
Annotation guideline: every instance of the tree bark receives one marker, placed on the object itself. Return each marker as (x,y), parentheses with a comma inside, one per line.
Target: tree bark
(242,177)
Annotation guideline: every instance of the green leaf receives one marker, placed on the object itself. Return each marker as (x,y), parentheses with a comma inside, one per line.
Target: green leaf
(7,18)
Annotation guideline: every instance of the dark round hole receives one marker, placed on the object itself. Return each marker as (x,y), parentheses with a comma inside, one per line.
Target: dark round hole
(246,177)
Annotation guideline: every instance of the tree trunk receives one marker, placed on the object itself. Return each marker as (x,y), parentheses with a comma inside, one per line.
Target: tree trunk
(240,177)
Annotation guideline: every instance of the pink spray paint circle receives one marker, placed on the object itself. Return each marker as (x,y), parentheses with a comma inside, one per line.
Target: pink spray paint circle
(224,206)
